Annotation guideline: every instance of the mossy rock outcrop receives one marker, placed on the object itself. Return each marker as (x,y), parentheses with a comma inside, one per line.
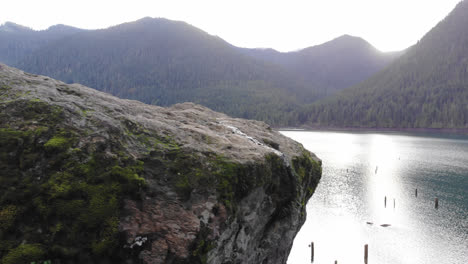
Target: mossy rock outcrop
(87,177)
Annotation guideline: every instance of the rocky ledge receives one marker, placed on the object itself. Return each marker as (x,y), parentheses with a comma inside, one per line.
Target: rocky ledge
(87,177)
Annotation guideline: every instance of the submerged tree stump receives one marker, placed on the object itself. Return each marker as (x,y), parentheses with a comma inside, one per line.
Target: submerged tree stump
(366,255)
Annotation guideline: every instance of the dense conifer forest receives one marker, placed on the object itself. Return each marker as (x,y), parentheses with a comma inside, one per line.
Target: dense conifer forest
(427,87)
(342,83)
(163,62)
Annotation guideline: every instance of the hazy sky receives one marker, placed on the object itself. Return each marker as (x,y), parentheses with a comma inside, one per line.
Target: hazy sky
(282,25)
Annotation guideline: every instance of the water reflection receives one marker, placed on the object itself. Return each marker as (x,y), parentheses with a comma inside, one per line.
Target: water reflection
(359,171)
(383,184)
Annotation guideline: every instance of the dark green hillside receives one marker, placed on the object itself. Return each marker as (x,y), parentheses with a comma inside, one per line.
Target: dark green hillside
(17,41)
(164,62)
(427,87)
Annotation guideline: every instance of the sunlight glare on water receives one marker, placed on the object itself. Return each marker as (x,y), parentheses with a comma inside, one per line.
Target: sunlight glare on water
(348,207)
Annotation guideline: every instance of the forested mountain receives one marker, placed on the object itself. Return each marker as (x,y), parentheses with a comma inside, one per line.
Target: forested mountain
(332,66)
(16,41)
(427,87)
(163,62)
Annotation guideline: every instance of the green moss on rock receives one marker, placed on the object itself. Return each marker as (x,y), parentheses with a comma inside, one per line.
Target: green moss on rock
(229,180)
(63,183)
(7,217)
(72,196)
(25,253)
(304,166)
(201,247)
(57,143)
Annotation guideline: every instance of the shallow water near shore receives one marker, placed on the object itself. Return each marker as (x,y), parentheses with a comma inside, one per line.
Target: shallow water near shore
(359,171)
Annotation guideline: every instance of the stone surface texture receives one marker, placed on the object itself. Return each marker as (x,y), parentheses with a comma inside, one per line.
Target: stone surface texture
(177,218)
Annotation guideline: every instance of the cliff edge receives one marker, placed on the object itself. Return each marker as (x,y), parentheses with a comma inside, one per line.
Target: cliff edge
(87,177)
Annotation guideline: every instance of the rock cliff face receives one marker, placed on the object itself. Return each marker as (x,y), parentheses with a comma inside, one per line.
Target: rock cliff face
(87,177)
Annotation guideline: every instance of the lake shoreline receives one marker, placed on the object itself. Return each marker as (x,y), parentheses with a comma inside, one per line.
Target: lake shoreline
(457,131)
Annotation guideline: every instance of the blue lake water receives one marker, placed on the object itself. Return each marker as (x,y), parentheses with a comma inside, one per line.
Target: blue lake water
(359,171)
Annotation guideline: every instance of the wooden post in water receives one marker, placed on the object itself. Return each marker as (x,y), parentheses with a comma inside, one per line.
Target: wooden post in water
(366,255)
(311,252)
(393,202)
(385,202)
(336,261)
(436,203)
(416,192)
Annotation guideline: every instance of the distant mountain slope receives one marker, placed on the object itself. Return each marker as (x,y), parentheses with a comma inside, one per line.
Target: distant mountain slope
(16,41)
(165,62)
(427,87)
(332,66)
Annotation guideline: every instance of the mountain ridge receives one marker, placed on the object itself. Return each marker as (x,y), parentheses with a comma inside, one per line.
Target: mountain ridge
(163,62)
(16,41)
(427,87)
(13,27)
(334,65)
